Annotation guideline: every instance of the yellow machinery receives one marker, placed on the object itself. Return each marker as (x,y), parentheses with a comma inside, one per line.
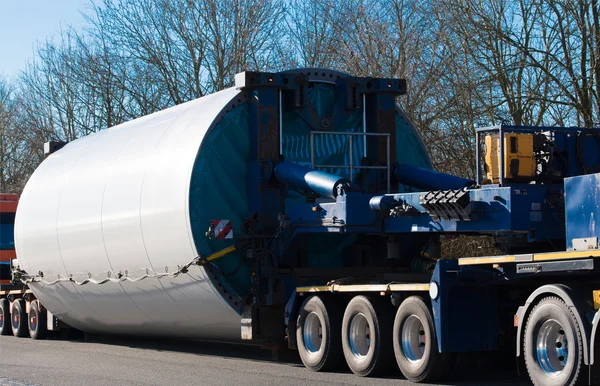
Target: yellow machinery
(519,160)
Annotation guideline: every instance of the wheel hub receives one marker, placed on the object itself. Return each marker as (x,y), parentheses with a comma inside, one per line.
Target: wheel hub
(414,339)
(552,347)
(33,322)
(359,335)
(312,333)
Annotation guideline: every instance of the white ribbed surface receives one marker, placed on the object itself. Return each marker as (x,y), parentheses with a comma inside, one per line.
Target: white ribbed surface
(118,200)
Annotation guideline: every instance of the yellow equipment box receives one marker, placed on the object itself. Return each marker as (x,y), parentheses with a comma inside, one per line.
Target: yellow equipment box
(519,160)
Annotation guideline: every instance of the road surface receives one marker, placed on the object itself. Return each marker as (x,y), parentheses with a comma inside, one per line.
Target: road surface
(122,361)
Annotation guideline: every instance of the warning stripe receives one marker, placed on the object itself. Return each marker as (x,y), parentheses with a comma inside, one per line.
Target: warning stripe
(222,229)
(220,224)
(226,232)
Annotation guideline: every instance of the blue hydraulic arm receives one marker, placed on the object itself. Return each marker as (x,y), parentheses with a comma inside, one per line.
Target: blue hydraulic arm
(310,180)
(426,179)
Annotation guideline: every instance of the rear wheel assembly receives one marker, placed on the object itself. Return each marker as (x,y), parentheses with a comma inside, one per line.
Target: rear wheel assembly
(415,342)
(367,335)
(5,318)
(19,319)
(318,333)
(38,328)
(553,344)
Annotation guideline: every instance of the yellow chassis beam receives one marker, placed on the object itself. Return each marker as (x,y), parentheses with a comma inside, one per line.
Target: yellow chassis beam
(365,288)
(549,256)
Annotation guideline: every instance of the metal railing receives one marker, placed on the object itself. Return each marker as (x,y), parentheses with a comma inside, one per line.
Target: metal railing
(351,165)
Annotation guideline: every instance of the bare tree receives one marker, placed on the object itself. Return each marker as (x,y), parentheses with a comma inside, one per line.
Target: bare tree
(16,160)
(312,37)
(6,147)
(540,54)
(468,63)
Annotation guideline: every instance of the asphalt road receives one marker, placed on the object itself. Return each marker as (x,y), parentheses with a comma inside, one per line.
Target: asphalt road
(123,361)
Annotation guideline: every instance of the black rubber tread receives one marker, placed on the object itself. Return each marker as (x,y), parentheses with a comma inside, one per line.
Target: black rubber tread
(42,327)
(433,365)
(378,312)
(22,330)
(536,373)
(5,329)
(330,314)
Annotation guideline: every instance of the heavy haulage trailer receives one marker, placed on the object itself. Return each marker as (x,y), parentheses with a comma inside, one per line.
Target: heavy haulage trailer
(303,205)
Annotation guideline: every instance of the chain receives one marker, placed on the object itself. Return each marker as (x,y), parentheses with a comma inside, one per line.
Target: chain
(25,278)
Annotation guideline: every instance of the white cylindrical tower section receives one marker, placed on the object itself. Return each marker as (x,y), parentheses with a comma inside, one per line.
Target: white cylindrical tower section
(117,201)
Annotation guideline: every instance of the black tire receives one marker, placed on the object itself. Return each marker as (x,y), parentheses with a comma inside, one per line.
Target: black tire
(552,324)
(413,329)
(18,318)
(319,324)
(38,327)
(5,318)
(367,318)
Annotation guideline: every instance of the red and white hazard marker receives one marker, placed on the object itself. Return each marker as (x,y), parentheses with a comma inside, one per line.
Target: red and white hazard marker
(222,229)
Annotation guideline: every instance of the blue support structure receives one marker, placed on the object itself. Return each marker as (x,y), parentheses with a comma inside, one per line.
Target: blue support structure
(460,325)
(264,194)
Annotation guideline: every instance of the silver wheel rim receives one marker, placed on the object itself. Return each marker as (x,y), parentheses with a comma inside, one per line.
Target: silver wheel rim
(359,335)
(552,347)
(413,339)
(16,319)
(33,320)
(312,333)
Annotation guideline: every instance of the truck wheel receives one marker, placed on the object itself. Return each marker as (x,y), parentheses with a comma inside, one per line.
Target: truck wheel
(19,318)
(4,318)
(415,341)
(318,334)
(552,344)
(38,328)
(367,336)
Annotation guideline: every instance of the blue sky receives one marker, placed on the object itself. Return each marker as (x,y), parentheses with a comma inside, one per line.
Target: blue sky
(23,22)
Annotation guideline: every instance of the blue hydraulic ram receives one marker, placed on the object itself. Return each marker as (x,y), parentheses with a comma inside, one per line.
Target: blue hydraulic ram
(307,179)
(427,180)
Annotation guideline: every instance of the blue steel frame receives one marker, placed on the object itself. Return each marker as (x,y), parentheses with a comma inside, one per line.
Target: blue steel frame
(265,91)
(495,210)
(267,94)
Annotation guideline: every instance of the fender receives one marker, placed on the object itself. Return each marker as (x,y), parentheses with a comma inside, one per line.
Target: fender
(290,319)
(593,336)
(566,294)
